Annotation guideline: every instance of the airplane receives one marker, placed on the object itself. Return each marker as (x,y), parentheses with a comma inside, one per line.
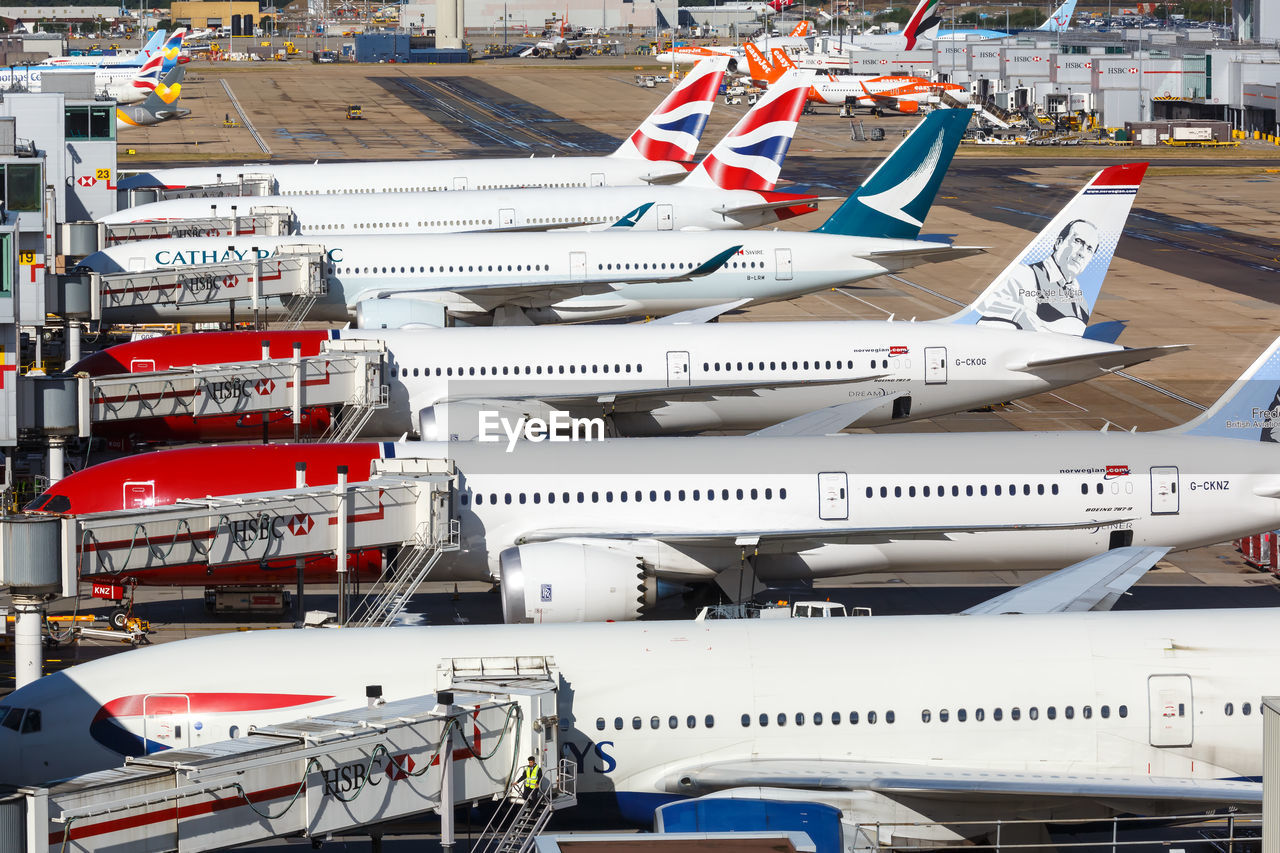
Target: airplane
(799,38)
(731,188)
(950,722)
(898,93)
(656,153)
(126,84)
(160,105)
(606,523)
(170,49)
(1059,21)
(551,277)
(688,377)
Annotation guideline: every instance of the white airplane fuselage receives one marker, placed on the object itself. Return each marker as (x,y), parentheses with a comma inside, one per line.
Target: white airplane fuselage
(409,176)
(115,82)
(943,367)
(652,703)
(674,208)
(773,265)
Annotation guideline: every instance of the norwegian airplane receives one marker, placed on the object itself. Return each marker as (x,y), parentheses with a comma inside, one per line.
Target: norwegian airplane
(603,522)
(691,377)
(997,715)
(731,188)
(656,153)
(381,281)
(897,93)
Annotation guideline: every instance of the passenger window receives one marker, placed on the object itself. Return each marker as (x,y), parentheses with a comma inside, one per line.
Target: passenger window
(1015,713)
(710,721)
(799,718)
(1033,713)
(979,715)
(961,715)
(1087,712)
(997,714)
(764,720)
(617,723)
(1123,711)
(1051,712)
(817,718)
(1245,709)
(635,723)
(673,722)
(691,721)
(746,721)
(1106,711)
(944,715)
(871,718)
(889,717)
(782,719)
(853,718)
(654,722)
(835,718)
(925,716)
(1069,712)
(599,724)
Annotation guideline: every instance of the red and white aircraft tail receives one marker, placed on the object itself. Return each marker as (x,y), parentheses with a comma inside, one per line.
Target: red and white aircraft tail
(674,129)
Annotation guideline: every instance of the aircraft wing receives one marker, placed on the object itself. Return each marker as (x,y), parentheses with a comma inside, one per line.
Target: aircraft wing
(1093,584)
(532,295)
(932,783)
(697,316)
(792,541)
(1103,360)
(830,420)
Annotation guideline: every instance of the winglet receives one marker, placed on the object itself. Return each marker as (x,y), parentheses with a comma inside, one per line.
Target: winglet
(894,201)
(1055,281)
(630,219)
(750,156)
(708,267)
(674,129)
(1250,408)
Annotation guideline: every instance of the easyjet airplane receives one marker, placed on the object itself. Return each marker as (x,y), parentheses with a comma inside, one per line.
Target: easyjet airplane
(800,37)
(691,377)
(731,188)
(896,93)
(382,281)
(575,526)
(657,152)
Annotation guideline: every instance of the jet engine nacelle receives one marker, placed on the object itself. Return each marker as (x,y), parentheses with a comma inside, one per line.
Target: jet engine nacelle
(908,107)
(393,313)
(574,580)
(498,419)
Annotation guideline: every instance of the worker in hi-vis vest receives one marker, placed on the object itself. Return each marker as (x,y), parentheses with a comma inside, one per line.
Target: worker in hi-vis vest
(532,780)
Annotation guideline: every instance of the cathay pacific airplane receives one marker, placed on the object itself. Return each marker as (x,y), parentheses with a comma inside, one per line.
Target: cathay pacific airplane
(575,526)
(919,721)
(397,280)
(656,153)
(731,188)
(688,376)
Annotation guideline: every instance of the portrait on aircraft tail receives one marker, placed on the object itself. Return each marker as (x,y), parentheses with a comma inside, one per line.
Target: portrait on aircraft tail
(1047,295)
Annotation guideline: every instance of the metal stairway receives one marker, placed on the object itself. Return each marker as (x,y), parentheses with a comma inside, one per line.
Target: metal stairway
(350,419)
(516,824)
(406,573)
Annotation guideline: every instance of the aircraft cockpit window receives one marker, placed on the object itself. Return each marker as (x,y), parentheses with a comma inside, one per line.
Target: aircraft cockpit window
(31,722)
(35,504)
(13,718)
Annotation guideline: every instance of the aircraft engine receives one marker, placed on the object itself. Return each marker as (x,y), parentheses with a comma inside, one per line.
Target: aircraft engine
(908,107)
(463,421)
(574,580)
(393,313)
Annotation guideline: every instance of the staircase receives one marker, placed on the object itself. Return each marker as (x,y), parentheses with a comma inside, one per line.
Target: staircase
(514,827)
(406,573)
(350,419)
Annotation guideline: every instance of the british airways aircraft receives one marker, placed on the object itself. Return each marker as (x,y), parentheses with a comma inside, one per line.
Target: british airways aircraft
(656,153)
(126,84)
(691,377)
(731,188)
(169,49)
(602,522)
(910,720)
(382,281)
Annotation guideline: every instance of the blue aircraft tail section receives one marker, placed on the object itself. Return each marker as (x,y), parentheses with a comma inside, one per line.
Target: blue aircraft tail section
(1060,19)
(894,201)
(1054,283)
(1250,408)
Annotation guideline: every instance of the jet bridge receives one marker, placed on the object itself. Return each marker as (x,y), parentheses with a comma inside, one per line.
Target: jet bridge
(80,239)
(242,184)
(314,777)
(345,374)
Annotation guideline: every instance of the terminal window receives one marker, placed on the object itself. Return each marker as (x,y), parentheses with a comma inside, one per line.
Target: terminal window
(89,122)
(22,186)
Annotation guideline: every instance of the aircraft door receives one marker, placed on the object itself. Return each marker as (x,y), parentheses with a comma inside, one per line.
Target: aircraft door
(139,493)
(1170,709)
(506,217)
(165,721)
(577,266)
(1164,490)
(142,365)
(935,365)
(460,183)
(678,369)
(597,179)
(783,257)
(665,217)
(137,264)
(833,496)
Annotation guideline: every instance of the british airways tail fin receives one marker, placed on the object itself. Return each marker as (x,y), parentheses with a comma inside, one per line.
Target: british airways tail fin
(1250,408)
(894,201)
(148,76)
(674,129)
(1060,19)
(750,156)
(1053,284)
(924,23)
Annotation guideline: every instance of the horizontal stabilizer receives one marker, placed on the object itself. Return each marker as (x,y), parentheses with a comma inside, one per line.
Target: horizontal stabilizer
(1093,584)
(1113,360)
(896,261)
(829,420)
(1250,408)
(792,201)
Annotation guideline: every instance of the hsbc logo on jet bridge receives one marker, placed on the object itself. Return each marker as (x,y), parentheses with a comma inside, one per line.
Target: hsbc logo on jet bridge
(1122,70)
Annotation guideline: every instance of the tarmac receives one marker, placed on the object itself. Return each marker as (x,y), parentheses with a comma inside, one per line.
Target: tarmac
(1199,265)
